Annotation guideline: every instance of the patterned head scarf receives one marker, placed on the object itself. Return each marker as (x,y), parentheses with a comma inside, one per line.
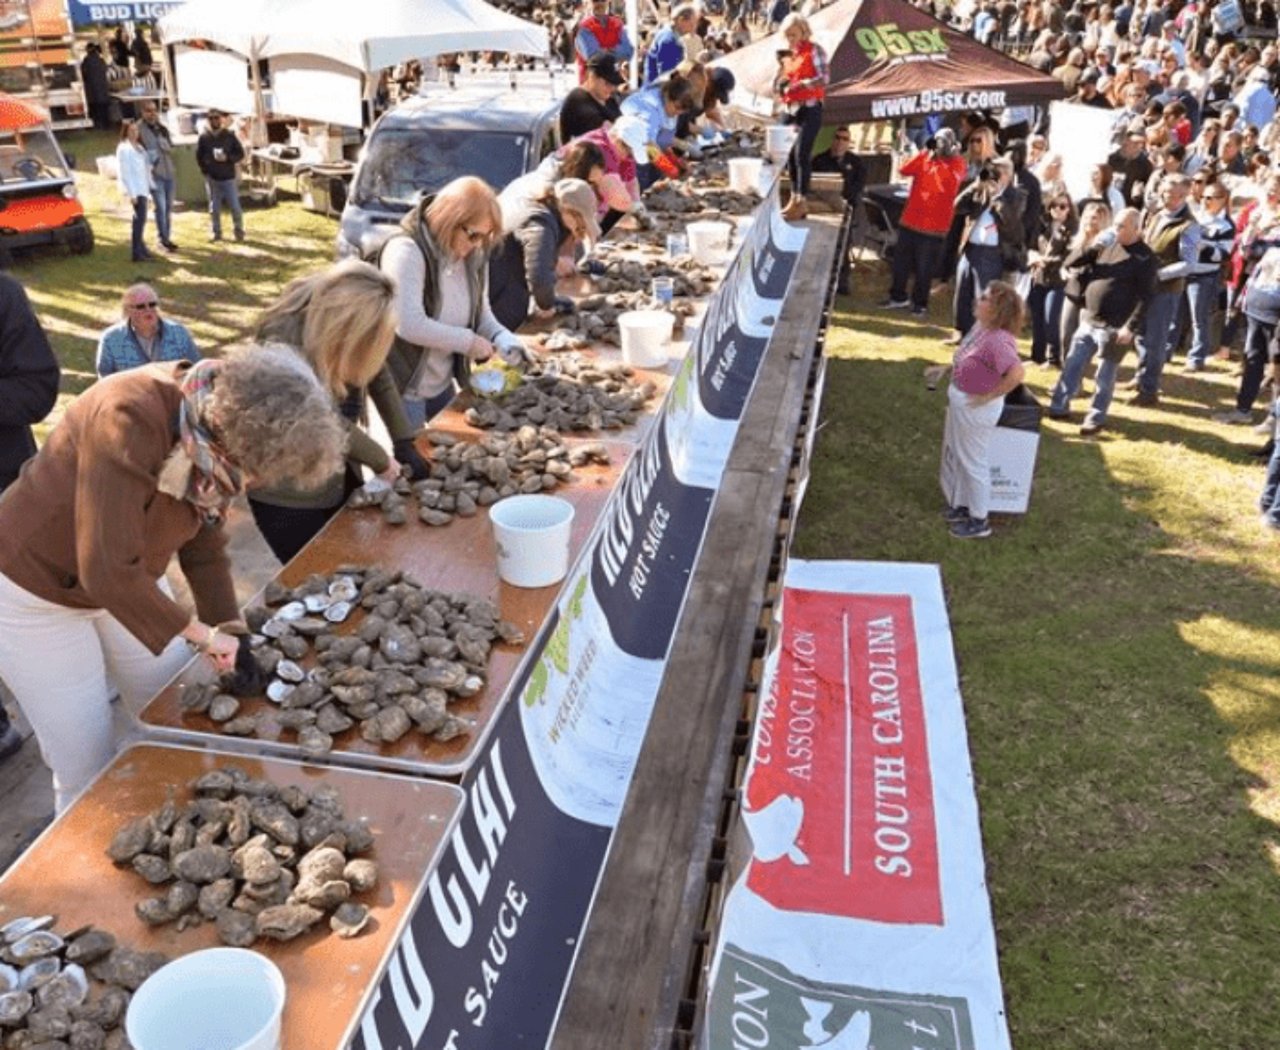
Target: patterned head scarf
(213,479)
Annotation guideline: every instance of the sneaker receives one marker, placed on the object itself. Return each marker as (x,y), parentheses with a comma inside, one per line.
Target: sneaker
(954,514)
(239,235)
(10,742)
(1191,368)
(169,246)
(1088,429)
(1058,413)
(894,304)
(215,238)
(971,529)
(918,311)
(1233,418)
(1265,427)
(1145,399)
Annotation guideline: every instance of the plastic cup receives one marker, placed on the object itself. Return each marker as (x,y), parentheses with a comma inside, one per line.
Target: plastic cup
(531,534)
(664,290)
(677,244)
(215,999)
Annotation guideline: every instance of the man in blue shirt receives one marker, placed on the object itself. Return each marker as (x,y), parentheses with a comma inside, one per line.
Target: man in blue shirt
(667,49)
(143,337)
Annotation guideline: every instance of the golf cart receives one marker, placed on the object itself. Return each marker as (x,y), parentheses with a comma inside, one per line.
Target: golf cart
(38,199)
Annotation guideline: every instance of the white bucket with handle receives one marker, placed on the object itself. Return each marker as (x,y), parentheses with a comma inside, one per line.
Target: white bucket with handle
(744,174)
(531,534)
(777,141)
(709,240)
(645,335)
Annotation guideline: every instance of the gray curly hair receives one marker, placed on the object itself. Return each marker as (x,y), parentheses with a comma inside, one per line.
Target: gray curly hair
(274,419)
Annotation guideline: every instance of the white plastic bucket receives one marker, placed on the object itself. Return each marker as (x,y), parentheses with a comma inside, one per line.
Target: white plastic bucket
(708,240)
(216,999)
(777,141)
(531,534)
(645,335)
(744,174)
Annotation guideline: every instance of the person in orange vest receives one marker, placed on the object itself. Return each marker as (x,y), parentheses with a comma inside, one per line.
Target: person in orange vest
(601,31)
(801,86)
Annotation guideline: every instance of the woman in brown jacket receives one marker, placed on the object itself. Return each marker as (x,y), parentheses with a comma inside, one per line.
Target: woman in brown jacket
(142,466)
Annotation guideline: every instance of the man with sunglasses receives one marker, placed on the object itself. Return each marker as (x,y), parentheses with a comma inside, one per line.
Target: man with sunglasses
(840,158)
(142,337)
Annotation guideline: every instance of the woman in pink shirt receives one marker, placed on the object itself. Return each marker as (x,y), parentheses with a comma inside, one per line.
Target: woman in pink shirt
(986,366)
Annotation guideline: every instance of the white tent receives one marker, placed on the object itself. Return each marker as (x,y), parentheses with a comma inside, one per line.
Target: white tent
(367,36)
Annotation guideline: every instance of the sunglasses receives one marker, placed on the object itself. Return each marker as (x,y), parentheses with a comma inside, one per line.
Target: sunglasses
(475,236)
(151,305)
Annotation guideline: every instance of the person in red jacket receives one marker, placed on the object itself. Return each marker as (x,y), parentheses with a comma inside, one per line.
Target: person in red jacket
(936,174)
(601,31)
(801,86)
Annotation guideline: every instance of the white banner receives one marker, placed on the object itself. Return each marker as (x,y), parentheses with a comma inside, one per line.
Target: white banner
(314,88)
(212,79)
(1082,136)
(861,917)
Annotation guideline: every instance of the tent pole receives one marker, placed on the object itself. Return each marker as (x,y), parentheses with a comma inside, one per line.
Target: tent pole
(258,133)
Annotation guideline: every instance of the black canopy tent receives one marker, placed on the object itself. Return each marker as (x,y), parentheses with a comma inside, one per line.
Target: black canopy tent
(890,60)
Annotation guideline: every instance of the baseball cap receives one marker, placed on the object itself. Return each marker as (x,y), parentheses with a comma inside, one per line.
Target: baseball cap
(604,65)
(1090,76)
(634,134)
(577,195)
(680,10)
(722,83)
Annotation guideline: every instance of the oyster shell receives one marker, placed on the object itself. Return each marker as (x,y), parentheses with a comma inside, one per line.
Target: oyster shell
(338,611)
(16,929)
(317,602)
(14,1007)
(203,864)
(35,945)
(361,873)
(284,922)
(290,671)
(278,691)
(90,946)
(349,920)
(291,611)
(69,988)
(33,975)
(8,978)
(237,929)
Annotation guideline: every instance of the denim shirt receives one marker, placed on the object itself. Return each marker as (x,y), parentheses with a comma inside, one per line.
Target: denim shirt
(119,349)
(647,104)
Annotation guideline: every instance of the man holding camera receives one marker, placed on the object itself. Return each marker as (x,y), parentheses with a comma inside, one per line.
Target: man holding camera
(936,175)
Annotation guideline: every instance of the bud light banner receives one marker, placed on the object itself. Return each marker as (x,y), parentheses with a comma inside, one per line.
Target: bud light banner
(492,941)
(86,14)
(860,918)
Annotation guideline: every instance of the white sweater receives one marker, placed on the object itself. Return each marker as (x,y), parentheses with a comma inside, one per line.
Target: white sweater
(133,170)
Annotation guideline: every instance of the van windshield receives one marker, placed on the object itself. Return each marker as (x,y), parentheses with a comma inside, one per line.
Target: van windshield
(402,162)
(29,156)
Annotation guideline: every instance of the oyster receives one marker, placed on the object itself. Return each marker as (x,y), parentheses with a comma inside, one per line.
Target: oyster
(90,946)
(362,874)
(291,611)
(18,928)
(203,864)
(129,841)
(237,929)
(338,611)
(349,919)
(8,978)
(290,671)
(35,945)
(215,896)
(278,691)
(69,988)
(317,602)
(14,1007)
(34,974)
(284,922)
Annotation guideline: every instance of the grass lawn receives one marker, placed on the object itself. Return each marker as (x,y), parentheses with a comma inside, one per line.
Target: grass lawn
(214,289)
(1118,649)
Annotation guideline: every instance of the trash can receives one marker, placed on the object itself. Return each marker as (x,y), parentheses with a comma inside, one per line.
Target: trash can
(1013,451)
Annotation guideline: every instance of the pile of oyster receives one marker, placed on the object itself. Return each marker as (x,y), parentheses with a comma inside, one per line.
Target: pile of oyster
(633,268)
(568,393)
(696,202)
(415,652)
(467,475)
(67,991)
(254,859)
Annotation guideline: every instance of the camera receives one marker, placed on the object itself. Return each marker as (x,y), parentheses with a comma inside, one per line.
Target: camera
(987,173)
(943,144)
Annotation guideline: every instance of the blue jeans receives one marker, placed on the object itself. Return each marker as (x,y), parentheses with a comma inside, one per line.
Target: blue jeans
(1269,503)
(421,412)
(1045,306)
(915,255)
(1201,300)
(1256,338)
(162,196)
(139,224)
(1153,342)
(979,266)
(1086,343)
(223,191)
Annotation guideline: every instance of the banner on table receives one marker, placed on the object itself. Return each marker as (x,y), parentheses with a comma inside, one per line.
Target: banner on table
(490,948)
(860,916)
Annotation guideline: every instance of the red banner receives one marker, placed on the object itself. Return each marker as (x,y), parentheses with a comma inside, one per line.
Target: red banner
(839,799)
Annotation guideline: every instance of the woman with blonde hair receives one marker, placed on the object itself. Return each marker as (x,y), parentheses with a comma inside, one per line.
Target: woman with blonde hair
(341,321)
(985,368)
(801,86)
(142,466)
(439,263)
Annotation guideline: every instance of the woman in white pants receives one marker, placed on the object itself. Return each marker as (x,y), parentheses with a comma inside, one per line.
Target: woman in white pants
(986,366)
(141,467)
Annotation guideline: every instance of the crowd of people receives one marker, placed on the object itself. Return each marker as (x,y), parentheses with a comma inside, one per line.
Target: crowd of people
(1173,246)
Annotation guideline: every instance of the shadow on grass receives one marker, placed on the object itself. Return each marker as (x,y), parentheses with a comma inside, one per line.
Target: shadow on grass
(1133,888)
